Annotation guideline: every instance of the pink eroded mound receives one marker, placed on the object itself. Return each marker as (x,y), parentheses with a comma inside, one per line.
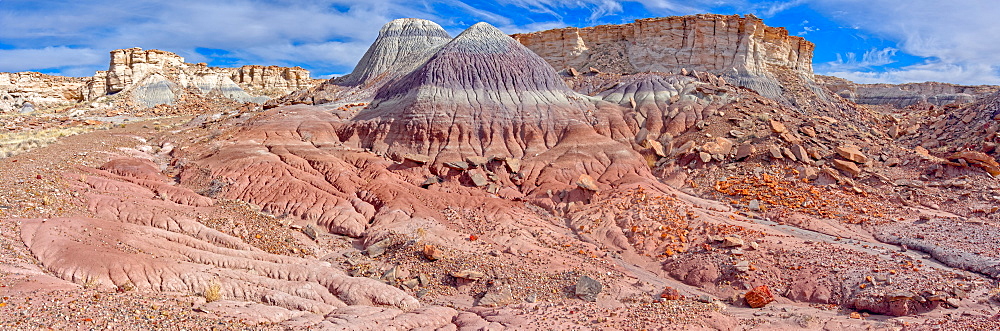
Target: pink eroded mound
(152,245)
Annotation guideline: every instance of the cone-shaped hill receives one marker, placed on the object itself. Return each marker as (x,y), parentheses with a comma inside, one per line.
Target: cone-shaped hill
(481,94)
(401,43)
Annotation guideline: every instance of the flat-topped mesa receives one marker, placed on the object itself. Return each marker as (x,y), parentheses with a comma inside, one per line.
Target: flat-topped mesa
(481,94)
(908,94)
(742,49)
(132,64)
(153,77)
(401,43)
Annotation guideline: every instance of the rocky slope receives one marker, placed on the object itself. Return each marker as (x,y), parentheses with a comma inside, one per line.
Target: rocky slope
(741,49)
(903,95)
(952,128)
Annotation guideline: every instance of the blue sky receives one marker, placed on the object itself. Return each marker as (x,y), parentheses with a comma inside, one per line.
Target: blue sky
(868,41)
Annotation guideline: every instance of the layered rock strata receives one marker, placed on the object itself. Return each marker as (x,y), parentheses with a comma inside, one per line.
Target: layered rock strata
(25,92)
(159,76)
(742,49)
(903,95)
(149,78)
(513,105)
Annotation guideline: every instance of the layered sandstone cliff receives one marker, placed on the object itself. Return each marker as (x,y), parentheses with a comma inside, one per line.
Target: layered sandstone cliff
(26,91)
(904,95)
(271,81)
(742,49)
(148,78)
(157,77)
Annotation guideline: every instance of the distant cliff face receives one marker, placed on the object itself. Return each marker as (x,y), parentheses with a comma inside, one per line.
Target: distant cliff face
(271,81)
(149,78)
(155,75)
(742,49)
(129,65)
(27,91)
(904,95)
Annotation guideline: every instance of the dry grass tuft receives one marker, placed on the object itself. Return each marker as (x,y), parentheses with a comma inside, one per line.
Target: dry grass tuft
(213,292)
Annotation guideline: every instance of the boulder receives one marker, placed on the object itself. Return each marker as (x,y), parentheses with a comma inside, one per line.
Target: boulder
(477,161)
(719,146)
(432,253)
(670,293)
(416,158)
(478,179)
(588,288)
(978,159)
(846,166)
(457,165)
(587,183)
(777,127)
(732,242)
(759,297)
(800,153)
(852,153)
(469,274)
(745,151)
(775,152)
(514,165)
(705,157)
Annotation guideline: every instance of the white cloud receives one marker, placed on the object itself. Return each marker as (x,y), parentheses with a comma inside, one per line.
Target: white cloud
(806,28)
(512,29)
(849,61)
(675,7)
(50,58)
(328,34)
(924,72)
(957,37)
(773,8)
(275,32)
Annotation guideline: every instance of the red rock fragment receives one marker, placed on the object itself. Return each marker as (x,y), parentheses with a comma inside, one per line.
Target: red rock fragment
(759,296)
(852,153)
(778,127)
(587,183)
(846,166)
(978,159)
(432,253)
(670,293)
(745,151)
